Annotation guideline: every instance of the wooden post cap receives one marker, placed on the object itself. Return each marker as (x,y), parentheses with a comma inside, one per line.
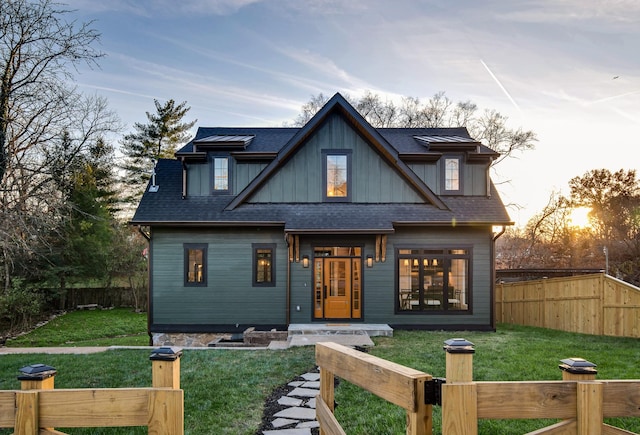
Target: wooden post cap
(578,366)
(458,345)
(36,372)
(166,354)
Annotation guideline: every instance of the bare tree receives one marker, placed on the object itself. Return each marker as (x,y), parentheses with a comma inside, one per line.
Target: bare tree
(490,127)
(39,109)
(37,46)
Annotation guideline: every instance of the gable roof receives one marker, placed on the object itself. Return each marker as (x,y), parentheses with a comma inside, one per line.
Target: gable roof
(339,104)
(167,206)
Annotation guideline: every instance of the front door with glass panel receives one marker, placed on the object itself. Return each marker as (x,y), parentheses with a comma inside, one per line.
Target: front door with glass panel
(337,283)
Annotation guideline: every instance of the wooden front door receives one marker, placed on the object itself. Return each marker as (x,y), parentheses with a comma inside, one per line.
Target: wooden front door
(337,276)
(337,284)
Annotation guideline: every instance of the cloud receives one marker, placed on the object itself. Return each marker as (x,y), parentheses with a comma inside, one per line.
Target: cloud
(148,8)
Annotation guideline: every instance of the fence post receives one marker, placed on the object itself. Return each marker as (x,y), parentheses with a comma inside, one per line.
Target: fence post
(589,413)
(327,390)
(37,377)
(32,377)
(459,393)
(165,367)
(166,407)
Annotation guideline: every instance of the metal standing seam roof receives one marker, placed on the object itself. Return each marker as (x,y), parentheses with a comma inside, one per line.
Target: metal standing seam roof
(445,139)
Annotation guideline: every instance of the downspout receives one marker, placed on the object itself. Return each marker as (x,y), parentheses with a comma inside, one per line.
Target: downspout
(288,291)
(148,237)
(493,276)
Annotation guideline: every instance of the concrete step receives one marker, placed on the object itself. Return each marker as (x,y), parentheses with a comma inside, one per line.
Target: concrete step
(371,329)
(352,335)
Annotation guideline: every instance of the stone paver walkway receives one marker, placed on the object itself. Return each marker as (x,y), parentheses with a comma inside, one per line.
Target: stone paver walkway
(299,414)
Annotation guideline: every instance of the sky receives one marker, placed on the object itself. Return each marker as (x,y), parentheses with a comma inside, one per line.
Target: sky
(568,70)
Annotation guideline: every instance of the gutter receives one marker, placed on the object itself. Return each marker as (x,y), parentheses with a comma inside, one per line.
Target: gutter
(148,237)
(288,286)
(493,276)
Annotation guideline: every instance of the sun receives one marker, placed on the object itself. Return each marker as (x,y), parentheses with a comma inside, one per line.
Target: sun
(579,217)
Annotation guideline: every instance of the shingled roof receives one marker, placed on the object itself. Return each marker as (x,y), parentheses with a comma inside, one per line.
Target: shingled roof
(168,207)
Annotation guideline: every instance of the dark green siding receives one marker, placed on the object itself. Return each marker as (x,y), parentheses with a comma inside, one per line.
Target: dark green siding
(300,178)
(198,179)
(474,177)
(199,176)
(243,173)
(229,297)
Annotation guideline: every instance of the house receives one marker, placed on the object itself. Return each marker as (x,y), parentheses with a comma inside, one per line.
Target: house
(334,222)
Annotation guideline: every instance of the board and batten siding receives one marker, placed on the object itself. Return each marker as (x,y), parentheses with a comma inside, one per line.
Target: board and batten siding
(474,177)
(199,178)
(229,297)
(300,178)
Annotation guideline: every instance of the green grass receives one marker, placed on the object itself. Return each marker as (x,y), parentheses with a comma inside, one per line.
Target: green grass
(225,389)
(513,353)
(117,327)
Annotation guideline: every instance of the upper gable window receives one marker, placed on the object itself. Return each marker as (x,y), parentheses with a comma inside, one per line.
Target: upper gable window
(337,175)
(220,174)
(452,172)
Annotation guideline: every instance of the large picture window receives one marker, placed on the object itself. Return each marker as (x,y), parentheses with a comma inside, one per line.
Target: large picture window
(264,265)
(337,175)
(433,280)
(195,265)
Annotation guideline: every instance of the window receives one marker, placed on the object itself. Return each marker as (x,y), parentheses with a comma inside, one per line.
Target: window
(337,175)
(264,265)
(220,174)
(433,280)
(452,175)
(195,265)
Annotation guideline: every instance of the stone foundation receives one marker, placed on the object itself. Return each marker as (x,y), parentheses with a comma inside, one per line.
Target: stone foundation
(250,338)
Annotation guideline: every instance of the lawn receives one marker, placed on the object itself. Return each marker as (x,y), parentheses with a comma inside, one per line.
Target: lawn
(119,326)
(225,389)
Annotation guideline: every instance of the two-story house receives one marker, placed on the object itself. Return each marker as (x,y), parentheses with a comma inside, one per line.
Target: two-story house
(336,221)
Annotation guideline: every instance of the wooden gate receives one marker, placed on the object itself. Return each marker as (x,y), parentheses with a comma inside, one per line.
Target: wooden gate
(579,400)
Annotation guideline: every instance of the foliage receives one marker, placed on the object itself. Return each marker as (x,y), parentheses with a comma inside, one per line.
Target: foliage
(159,138)
(19,306)
(40,116)
(489,126)
(549,240)
(614,199)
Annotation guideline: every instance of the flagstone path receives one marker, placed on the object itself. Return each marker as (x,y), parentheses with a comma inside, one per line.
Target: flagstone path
(292,410)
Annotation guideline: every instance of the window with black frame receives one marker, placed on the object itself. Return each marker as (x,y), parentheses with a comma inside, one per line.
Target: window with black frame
(264,265)
(433,280)
(195,264)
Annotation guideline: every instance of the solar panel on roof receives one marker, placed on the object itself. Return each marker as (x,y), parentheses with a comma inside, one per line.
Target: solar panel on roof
(225,139)
(444,139)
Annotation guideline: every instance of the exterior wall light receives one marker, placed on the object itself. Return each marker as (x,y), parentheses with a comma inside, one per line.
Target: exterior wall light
(305,261)
(369,261)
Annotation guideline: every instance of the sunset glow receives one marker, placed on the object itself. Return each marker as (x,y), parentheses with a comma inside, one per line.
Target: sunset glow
(580,217)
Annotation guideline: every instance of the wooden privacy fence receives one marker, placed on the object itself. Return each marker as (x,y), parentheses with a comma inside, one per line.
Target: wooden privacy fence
(580,401)
(38,408)
(591,304)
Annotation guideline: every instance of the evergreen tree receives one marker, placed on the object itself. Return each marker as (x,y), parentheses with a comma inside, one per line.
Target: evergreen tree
(81,245)
(158,138)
